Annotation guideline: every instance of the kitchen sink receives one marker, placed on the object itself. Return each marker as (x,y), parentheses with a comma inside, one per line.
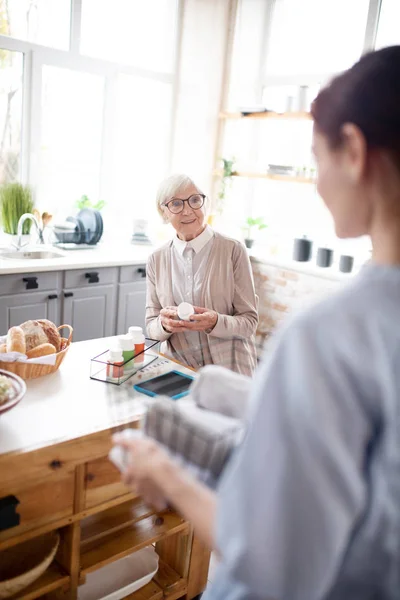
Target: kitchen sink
(30,254)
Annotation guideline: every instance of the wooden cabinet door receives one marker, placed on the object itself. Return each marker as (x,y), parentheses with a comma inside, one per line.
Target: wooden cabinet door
(90,311)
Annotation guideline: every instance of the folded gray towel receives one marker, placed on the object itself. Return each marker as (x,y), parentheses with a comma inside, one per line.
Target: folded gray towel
(199,439)
(221,390)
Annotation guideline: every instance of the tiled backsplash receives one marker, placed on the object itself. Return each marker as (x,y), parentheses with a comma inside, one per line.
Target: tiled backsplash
(283,291)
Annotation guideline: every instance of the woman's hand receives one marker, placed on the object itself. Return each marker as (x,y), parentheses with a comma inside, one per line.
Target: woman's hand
(158,479)
(170,320)
(204,319)
(147,467)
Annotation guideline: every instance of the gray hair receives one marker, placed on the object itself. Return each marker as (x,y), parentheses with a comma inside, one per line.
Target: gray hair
(171,186)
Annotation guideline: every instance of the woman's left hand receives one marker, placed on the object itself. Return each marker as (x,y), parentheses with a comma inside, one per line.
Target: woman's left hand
(147,466)
(204,319)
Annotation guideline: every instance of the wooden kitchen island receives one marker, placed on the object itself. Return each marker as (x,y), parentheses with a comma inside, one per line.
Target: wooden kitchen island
(54,460)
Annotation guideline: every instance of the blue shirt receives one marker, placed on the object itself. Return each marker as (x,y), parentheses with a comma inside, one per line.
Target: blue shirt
(309,506)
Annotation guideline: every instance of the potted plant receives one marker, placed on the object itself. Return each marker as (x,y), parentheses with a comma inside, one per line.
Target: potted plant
(15,200)
(84,202)
(228,171)
(249,227)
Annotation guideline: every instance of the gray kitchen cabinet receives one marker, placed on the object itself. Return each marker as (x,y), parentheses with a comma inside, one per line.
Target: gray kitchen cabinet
(17,308)
(25,296)
(90,311)
(131,305)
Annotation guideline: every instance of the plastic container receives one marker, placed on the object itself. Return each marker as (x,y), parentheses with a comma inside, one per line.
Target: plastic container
(185,311)
(136,334)
(127,346)
(115,368)
(120,578)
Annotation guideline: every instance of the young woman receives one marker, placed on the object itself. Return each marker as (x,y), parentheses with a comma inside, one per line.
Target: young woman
(309,506)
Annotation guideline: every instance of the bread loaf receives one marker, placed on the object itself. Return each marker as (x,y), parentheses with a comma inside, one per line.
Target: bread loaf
(51,332)
(34,334)
(16,340)
(41,332)
(42,350)
(3,348)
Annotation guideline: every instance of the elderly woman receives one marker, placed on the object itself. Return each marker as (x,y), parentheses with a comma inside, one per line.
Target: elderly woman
(211,272)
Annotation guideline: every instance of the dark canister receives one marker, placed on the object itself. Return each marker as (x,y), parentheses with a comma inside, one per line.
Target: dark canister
(346,263)
(324,257)
(302,249)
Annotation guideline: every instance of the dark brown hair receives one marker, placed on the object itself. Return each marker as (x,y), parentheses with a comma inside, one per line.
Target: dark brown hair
(367,95)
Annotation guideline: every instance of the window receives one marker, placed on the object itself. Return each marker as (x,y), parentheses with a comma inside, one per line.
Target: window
(292,44)
(315,37)
(45,22)
(141,146)
(388,33)
(71,139)
(11,71)
(135,32)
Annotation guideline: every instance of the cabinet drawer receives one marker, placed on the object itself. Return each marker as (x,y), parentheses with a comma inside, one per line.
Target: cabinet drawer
(102,482)
(132,273)
(41,503)
(15,284)
(90,277)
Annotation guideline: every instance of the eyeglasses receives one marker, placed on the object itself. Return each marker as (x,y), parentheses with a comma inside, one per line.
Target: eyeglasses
(176,205)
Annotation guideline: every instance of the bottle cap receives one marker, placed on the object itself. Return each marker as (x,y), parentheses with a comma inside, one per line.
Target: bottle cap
(185,311)
(135,329)
(125,342)
(115,355)
(137,335)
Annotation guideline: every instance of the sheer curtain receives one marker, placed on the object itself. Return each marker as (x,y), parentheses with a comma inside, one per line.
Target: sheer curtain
(205,27)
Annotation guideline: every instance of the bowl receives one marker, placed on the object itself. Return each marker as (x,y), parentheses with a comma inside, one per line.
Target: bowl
(18,391)
(23,564)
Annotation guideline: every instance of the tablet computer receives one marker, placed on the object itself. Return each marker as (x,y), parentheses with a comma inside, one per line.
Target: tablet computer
(173,384)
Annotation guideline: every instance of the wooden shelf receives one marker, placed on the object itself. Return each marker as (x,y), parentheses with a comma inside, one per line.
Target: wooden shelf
(52,579)
(95,554)
(270,176)
(151,591)
(305,116)
(100,525)
(172,584)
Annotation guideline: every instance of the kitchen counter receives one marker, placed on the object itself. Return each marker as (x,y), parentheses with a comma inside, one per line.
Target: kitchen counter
(68,404)
(307,268)
(56,476)
(102,255)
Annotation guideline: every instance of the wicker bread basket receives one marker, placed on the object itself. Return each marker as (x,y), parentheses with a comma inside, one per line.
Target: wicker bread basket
(32,370)
(23,564)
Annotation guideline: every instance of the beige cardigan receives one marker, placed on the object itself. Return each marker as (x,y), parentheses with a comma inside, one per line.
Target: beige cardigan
(228,288)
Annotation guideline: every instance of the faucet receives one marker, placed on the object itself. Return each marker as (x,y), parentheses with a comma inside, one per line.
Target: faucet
(21,222)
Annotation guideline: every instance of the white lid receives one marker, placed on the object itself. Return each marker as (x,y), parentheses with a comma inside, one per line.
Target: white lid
(115,355)
(135,329)
(185,310)
(125,342)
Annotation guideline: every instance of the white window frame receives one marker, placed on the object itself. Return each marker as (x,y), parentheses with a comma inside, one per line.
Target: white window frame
(313,78)
(36,56)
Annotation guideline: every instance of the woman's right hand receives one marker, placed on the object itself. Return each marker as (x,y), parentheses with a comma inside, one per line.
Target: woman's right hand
(170,320)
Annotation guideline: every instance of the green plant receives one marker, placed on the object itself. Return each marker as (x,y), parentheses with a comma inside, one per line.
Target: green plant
(227,173)
(84,202)
(15,200)
(253,223)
